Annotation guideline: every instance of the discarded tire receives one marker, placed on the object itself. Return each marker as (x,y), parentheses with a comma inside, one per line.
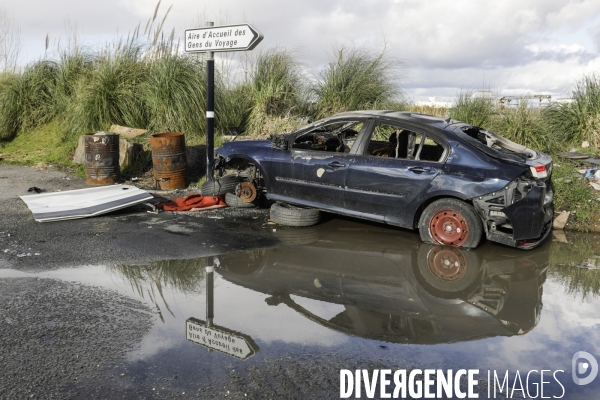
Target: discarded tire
(217,187)
(233,201)
(289,215)
(450,222)
(447,271)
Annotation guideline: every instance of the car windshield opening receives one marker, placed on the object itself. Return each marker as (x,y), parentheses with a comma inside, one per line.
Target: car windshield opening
(336,137)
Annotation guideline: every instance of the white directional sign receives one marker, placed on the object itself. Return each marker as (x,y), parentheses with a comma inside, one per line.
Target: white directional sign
(221,339)
(222,38)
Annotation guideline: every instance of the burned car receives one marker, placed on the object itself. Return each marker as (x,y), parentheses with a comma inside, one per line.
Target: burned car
(452,181)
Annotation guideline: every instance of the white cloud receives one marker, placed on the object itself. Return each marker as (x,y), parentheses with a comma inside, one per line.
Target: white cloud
(539,46)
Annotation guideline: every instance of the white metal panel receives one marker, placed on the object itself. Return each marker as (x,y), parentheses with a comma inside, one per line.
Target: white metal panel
(83,203)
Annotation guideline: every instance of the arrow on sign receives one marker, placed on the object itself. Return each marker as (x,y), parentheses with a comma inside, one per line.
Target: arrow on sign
(222,38)
(225,340)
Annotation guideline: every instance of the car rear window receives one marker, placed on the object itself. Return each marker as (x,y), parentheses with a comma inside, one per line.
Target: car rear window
(476,137)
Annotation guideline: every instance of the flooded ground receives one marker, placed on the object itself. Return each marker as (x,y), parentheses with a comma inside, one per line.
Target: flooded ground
(281,322)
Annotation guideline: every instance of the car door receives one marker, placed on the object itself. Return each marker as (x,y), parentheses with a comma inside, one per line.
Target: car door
(311,173)
(387,175)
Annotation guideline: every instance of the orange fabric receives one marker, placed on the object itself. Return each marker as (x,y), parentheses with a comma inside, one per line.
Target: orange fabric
(193,202)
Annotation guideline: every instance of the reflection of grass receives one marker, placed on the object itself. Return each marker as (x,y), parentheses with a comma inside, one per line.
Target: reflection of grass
(578,280)
(567,259)
(183,275)
(151,280)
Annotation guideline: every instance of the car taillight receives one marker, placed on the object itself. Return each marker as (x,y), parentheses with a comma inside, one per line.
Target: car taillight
(539,171)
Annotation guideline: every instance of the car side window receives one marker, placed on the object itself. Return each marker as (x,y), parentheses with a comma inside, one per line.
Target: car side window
(391,142)
(338,137)
(395,142)
(430,150)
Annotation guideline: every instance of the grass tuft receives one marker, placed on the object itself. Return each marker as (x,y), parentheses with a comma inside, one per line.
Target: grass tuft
(474,110)
(356,79)
(573,123)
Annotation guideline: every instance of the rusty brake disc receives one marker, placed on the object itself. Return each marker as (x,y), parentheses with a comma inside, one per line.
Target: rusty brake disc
(246,191)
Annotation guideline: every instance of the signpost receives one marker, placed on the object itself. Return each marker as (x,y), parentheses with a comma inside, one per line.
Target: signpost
(221,339)
(215,337)
(208,40)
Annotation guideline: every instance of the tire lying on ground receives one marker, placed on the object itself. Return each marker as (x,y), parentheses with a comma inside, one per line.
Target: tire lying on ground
(290,215)
(450,222)
(233,201)
(223,185)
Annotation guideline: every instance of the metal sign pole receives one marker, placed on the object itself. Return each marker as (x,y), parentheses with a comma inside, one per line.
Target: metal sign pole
(210,273)
(209,39)
(210,111)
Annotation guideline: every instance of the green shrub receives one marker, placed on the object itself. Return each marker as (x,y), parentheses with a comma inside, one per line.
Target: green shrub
(174,94)
(111,94)
(233,107)
(275,88)
(27,100)
(356,79)
(10,105)
(573,123)
(523,124)
(73,66)
(474,110)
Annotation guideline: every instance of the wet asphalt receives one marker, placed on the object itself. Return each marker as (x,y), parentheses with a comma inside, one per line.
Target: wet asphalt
(97,307)
(129,236)
(64,340)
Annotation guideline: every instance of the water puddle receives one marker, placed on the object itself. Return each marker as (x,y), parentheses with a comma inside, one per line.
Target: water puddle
(282,322)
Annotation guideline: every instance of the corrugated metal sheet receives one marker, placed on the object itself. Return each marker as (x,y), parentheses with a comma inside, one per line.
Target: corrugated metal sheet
(83,203)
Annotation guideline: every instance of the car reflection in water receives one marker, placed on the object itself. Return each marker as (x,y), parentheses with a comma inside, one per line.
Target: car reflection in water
(394,288)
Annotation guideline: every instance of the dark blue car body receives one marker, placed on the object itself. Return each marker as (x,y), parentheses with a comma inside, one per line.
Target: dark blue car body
(497,182)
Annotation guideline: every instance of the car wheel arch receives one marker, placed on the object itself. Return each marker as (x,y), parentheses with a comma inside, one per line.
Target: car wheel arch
(248,160)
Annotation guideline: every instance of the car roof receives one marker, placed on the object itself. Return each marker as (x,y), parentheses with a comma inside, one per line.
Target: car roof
(398,115)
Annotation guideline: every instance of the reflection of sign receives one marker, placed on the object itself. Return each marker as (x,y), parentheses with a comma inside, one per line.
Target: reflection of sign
(221,339)
(222,38)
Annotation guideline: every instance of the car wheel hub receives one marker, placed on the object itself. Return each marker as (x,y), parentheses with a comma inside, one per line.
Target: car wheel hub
(449,227)
(447,263)
(246,192)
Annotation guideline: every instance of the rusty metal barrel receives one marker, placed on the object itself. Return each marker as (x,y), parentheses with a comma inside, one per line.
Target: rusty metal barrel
(169,160)
(102,158)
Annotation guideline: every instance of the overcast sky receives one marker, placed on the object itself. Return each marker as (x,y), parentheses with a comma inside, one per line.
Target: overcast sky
(514,47)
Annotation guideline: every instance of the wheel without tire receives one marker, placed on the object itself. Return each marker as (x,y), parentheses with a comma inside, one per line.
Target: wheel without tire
(289,215)
(233,201)
(217,187)
(447,271)
(450,222)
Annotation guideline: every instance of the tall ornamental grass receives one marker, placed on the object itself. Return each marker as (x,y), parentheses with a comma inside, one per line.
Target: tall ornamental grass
(579,120)
(474,110)
(356,79)
(524,125)
(27,99)
(111,92)
(275,88)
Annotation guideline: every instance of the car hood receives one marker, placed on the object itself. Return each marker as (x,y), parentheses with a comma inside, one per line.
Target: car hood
(242,146)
